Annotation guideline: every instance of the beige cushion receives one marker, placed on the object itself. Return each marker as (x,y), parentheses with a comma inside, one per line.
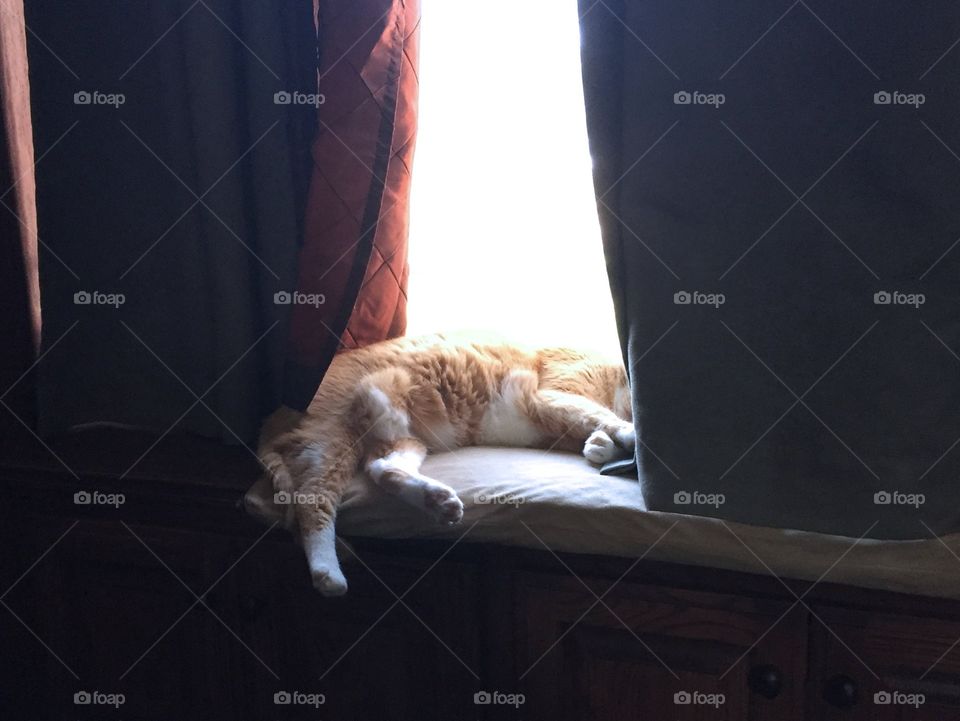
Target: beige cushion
(562,501)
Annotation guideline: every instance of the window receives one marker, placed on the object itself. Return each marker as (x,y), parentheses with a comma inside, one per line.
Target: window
(504,232)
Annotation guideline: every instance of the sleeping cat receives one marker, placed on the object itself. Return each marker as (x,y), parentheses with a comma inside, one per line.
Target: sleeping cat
(384,407)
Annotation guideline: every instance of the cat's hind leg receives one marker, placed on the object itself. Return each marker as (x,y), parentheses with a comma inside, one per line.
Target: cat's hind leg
(395,467)
(324,469)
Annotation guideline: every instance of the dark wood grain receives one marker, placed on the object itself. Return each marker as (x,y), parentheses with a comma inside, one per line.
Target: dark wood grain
(124,579)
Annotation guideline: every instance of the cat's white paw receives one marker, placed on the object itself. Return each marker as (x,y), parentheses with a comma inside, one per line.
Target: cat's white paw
(329,581)
(443,503)
(599,448)
(626,438)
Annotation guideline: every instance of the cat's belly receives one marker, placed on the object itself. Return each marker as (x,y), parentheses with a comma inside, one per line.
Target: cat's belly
(505,424)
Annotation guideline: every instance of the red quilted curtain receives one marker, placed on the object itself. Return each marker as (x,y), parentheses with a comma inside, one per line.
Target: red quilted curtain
(354,253)
(19,285)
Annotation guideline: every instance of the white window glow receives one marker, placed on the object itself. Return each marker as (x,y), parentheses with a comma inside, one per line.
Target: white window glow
(504,233)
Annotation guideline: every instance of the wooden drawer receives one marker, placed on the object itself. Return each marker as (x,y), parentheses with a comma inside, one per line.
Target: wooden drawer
(883,667)
(654,653)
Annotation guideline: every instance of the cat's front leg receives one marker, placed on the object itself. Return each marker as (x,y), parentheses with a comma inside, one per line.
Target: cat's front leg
(602,447)
(626,437)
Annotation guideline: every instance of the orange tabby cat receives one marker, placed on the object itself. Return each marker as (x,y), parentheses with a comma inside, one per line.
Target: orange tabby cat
(384,407)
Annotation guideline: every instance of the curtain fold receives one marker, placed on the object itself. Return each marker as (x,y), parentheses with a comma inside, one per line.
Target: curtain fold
(777,193)
(354,254)
(19,282)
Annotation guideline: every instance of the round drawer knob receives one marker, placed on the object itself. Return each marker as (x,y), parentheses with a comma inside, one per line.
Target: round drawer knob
(840,691)
(766,680)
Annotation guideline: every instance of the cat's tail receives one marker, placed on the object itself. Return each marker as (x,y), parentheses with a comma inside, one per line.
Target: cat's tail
(281,481)
(277,431)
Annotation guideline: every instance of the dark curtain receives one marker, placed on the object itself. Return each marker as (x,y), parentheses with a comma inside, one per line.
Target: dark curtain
(173,157)
(354,254)
(778,190)
(198,267)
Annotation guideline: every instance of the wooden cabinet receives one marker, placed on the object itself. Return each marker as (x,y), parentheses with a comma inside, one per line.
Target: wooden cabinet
(883,667)
(107,612)
(109,618)
(106,601)
(654,653)
(402,640)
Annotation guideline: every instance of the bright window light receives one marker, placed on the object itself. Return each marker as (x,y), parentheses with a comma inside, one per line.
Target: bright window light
(504,232)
